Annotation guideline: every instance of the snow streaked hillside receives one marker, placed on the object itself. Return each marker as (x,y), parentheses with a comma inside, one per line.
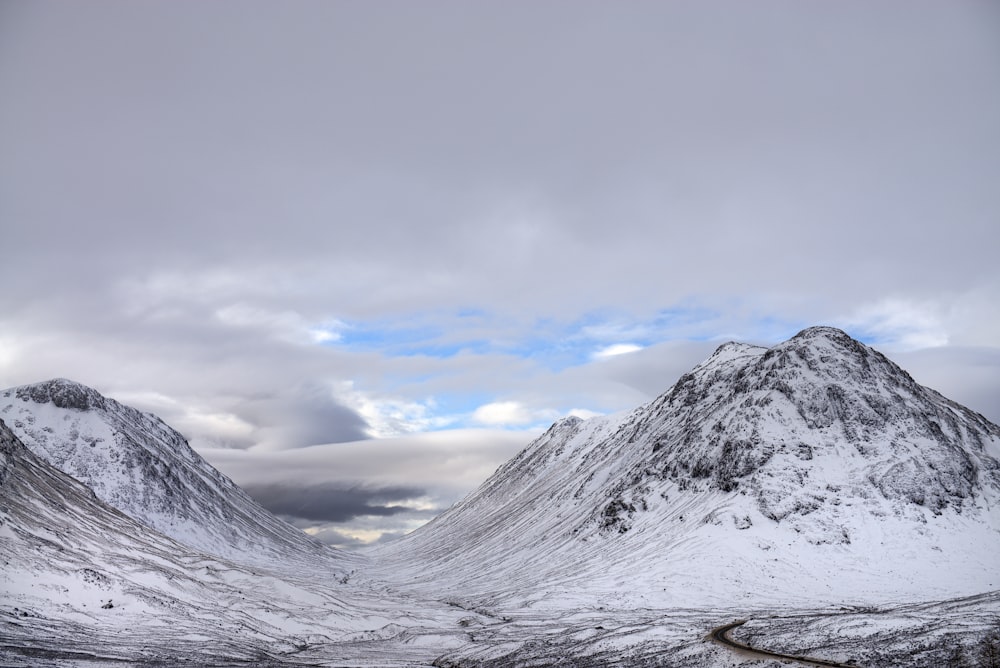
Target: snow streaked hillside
(812,488)
(145,469)
(85,585)
(813,472)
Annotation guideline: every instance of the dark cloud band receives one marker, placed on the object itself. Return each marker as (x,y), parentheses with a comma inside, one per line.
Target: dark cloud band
(333,502)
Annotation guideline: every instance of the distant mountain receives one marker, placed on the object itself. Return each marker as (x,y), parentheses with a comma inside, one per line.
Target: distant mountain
(136,463)
(813,471)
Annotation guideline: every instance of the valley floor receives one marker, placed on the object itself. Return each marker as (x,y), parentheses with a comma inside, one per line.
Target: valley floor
(944,633)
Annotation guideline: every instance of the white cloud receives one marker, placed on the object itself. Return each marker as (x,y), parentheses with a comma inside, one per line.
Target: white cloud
(284,325)
(513,414)
(616,349)
(324,335)
(503,413)
(389,416)
(900,324)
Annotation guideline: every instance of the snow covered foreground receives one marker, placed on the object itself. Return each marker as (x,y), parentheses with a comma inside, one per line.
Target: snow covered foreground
(812,488)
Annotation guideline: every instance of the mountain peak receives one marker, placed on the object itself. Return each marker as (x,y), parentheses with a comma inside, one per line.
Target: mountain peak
(738,421)
(825,338)
(819,448)
(63,393)
(822,332)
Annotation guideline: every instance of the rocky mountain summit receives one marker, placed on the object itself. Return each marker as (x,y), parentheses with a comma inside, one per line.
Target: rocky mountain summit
(762,472)
(834,417)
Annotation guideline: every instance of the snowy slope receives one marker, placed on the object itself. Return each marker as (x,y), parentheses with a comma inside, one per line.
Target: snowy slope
(814,472)
(83,584)
(812,488)
(142,467)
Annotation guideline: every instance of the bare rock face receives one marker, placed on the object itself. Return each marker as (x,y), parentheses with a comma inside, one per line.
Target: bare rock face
(739,419)
(63,394)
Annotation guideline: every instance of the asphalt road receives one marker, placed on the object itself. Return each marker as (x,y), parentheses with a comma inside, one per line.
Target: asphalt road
(721,636)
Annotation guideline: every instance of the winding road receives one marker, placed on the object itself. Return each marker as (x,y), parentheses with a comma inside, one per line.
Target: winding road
(721,636)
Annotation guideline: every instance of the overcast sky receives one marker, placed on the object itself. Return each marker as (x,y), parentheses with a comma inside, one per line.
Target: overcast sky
(361,252)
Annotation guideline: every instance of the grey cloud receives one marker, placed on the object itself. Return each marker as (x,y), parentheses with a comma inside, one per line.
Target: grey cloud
(968,375)
(332,502)
(360,530)
(339,540)
(187,188)
(648,372)
(305,415)
(774,143)
(345,542)
(450,461)
(438,469)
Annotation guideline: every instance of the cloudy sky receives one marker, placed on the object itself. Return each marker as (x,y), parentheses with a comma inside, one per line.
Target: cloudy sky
(361,252)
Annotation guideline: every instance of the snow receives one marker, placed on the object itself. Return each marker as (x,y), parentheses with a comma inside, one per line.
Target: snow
(67,554)
(140,466)
(811,488)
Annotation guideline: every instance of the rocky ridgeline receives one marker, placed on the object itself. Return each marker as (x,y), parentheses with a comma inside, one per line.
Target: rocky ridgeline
(763,418)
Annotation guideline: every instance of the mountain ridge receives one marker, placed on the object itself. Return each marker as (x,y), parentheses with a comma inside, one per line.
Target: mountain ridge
(819,444)
(812,487)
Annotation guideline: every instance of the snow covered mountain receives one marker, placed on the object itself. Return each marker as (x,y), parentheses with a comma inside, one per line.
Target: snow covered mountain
(813,472)
(85,585)
(145,469)
(812,488)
